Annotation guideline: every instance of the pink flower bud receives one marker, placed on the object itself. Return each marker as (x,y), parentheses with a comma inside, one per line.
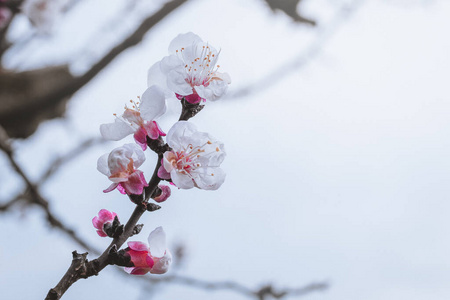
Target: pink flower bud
(165,194)
(104,217)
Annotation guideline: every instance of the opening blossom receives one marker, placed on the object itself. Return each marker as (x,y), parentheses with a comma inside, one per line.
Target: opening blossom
(104,217)
(194,160)
(154,257)
(191,70)
(139,119)
(121,168)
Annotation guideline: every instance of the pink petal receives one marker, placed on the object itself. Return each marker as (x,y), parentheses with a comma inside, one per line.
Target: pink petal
(137,246)
(193,98)
(101,233)
(105,215)
(153,130)
(121,189)
(135,184)
(162,173)
(139,271)
(140,136)
(165,194)
(110,188)
(149,261)
(97,223)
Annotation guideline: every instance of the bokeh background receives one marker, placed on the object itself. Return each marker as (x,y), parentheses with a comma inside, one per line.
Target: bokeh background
(337,150)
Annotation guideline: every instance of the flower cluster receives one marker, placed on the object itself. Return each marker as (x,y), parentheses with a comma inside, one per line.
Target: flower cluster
(187,157)
(190,70)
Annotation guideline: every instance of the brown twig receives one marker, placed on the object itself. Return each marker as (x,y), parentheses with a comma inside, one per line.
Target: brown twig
(91,268)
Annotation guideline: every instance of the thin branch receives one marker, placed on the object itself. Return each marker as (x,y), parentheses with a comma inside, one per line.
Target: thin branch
(261,293)
(35,196)
(8,204)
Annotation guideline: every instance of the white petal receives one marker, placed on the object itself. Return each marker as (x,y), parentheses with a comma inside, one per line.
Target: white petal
(215,90)
(204,92)
(156,76)
(153,103)
(102,165)
(176,82)
(183,41)
(162,265)
(178,132)
(136,153)
(116,131)
(209,178)
(170,63)
(182,181)
(157,242)
(224,76)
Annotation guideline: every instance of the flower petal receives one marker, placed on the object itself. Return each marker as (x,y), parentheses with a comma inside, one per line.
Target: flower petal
(183,40)
(139,271)
(176,82)
(111,188)
(162,173)
(171,63)
(135,183)
(181,180)
(153,103)
(162,265)
(157,242)
(116,131)
(97,222)
(137,246)
(102,165)
(179,130)
(155,76)
(210,178)
(105,215)
(140,137)
(101,233)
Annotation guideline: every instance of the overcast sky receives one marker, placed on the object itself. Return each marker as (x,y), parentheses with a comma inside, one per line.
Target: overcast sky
(336,172)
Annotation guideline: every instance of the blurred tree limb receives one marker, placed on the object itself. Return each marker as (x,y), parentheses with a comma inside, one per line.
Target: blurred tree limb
(30,97)
(289,7)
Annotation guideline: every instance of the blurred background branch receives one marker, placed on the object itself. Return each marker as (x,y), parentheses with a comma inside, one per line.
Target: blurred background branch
(32,96)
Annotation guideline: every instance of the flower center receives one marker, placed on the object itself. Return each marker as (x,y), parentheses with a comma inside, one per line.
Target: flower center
(202,68)
(132,115)
(188,160)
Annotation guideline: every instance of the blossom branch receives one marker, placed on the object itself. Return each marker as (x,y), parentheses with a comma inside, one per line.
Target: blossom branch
(82,268)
